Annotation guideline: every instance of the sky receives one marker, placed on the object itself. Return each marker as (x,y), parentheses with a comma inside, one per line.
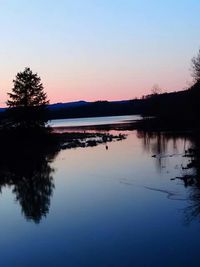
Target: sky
(99,49)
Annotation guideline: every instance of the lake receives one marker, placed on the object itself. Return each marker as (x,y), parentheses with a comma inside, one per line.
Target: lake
(93,121)
(120,205)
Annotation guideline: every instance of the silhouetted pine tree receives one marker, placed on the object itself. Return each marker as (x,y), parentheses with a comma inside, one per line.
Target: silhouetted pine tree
(27,101)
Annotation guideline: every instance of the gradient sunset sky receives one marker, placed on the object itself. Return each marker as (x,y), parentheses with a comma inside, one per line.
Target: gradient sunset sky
(99,49)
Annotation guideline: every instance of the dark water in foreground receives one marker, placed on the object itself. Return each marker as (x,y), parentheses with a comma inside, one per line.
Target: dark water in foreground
(98,207)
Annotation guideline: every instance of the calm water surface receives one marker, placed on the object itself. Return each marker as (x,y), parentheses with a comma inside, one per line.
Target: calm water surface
(93,121)
(98,207)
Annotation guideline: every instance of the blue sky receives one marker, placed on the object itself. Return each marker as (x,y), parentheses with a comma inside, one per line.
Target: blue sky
(99,49)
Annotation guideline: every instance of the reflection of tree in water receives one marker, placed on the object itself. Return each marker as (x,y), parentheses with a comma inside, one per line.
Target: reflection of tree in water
(158,144)
(192,211)
(25,166)
(193,180)
(162,145)
(153,142)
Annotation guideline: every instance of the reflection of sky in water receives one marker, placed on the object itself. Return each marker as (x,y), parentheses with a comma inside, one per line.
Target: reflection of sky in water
(109,208)
(93,121)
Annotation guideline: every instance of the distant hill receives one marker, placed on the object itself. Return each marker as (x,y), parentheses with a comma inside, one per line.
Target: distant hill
(80,103)
(67,105)
(90,109)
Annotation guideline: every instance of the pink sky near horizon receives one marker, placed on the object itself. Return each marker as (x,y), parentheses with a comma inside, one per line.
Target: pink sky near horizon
(98,49)
(109,85)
